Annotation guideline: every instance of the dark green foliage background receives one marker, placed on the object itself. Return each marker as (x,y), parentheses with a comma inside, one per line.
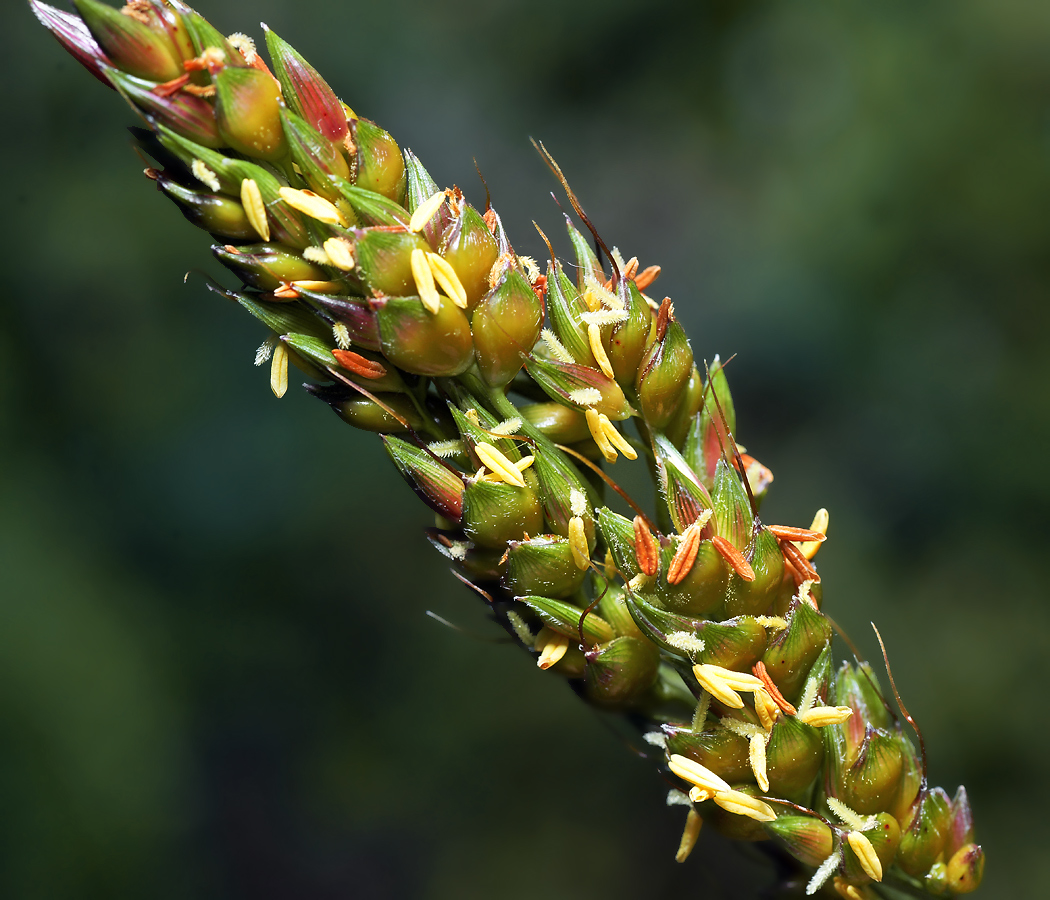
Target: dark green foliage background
(216,676)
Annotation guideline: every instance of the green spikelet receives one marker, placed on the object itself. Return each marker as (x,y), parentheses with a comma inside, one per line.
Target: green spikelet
(504,397)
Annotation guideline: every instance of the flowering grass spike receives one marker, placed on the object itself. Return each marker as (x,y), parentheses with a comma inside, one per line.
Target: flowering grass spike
(501,394)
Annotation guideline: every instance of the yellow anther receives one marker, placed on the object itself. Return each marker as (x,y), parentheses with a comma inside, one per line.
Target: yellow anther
(757,758)
(689,835)
(320,287)
(279,370)
(204,175)
(552,647)
(594,338)
(524,463)
(594,425)
(499,464)
(742,804)
(723,684)
(581,553)
(446,276)
(820,523)
(424,279)
(819,716)
(340,253)
(639,583)
(869,860)
(849,891)
(615,438)
(425,211)
(254,208)
(312,205)
(693,772)
(699,794)
(767,710)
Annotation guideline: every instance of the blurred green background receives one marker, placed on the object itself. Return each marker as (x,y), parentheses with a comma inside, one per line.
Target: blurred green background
(217,679)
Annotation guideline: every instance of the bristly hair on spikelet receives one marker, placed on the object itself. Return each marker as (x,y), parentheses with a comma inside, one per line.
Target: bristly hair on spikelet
(502,394)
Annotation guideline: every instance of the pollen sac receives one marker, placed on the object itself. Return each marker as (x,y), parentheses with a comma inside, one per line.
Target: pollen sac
(189,116)
(506,323)
(317,157)
(619,672)
(219,215)
(266,266)
(806,838)
(662,375)
(738,827)
(435,484)
(379,165)
(495,513)
(543,565)
(248,111)
(884,837)
(794,759)
(134,46)
(925,833)
(469,247)
(793,651)
(425,343)
(305,91)
(561,424)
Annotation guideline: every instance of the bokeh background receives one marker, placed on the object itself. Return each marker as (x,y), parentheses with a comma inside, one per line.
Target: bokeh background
(217,678)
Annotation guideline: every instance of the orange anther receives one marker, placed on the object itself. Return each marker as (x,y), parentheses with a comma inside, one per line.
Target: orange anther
(759,670)
(630,268)
(490,219)
(663,317)
(646,550)
(358,364)
(791,533)
(798,561)
(286,292)
(685,556)
(734,557)
(646,277)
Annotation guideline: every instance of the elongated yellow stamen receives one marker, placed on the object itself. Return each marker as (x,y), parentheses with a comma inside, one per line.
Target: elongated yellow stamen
(552,647)
(581,554)
(499,464)
(689,835)
(615,438)
(820,523)
(446,276)
(819,716)
(313,205)
(869,860)
(424,279)
(340,253)
(695,773)
(279,370)
(757,758)
(594,338)
(742,804)
(425,211)
(254,208)
(594,425)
